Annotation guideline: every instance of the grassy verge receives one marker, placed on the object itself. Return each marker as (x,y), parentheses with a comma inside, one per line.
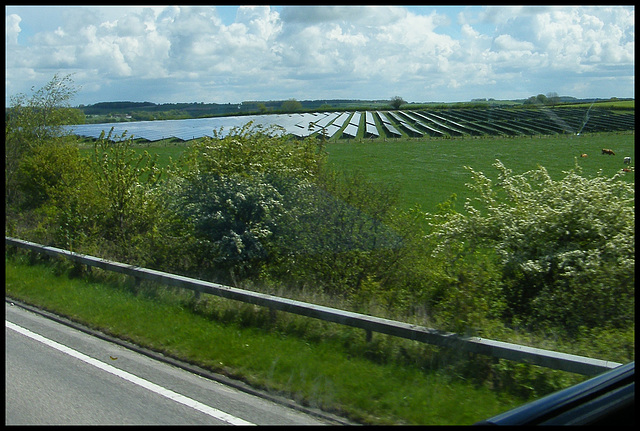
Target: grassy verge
(338,371)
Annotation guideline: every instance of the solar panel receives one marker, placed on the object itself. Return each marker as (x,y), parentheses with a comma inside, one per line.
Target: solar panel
(383,117)
(350,130)
(328,118)
(332,129)
(371,129)
(392,130)
(369,118)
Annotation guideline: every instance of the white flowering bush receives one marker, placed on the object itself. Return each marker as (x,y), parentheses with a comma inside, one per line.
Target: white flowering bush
(228,195)
(566,247)
(231,219)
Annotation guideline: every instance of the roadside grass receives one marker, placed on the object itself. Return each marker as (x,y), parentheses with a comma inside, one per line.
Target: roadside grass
(337,371)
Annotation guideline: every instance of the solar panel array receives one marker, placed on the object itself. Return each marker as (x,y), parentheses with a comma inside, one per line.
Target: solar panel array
(453,122)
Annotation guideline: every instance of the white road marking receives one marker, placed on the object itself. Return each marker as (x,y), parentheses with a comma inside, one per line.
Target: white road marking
(220,415)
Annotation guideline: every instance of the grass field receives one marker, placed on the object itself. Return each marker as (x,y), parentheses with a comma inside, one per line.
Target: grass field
(429,171)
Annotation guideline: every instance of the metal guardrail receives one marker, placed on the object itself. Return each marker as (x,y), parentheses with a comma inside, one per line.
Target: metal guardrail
(497,349)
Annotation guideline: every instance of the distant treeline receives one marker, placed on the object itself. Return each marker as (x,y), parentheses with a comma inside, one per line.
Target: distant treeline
(190,109)
(200,109)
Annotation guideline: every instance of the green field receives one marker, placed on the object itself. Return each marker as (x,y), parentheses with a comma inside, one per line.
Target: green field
(429,171)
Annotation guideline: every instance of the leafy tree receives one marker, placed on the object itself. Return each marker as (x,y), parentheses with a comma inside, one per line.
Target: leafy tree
(33,122)
(291,105)
(397,102)
(565,248)
(553,98)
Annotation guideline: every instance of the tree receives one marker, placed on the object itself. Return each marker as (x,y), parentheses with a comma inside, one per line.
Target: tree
(397,102)
(291,105)
(32,122)
(541,99)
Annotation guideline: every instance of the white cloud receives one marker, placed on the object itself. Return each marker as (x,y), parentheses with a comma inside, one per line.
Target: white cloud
(421,53)
(12,29)
(505,42)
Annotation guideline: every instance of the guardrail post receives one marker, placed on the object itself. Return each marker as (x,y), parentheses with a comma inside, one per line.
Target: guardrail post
(369,335)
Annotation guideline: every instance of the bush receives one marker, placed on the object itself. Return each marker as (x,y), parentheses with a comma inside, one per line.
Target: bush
(566,247)
(127,182)
(228,195)
(338,236)
(232,219)
(45,168)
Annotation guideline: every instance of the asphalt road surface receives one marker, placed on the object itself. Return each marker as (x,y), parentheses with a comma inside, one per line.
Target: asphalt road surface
(58,375)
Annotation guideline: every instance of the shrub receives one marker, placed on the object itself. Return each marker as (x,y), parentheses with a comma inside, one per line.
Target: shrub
(566,247)
(227,196)
(127,182)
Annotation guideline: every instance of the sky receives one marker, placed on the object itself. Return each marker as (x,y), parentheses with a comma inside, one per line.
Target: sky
(231,54)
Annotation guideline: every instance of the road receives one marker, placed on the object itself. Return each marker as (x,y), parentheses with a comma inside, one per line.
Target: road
(58,375)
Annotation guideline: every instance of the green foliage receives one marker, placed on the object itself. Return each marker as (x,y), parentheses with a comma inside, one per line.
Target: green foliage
(259,205)
(396,102)
(33,122)
(253,149)
(127,181)
(339,236)
(232,219)
(44,169)
(566,247)
(291,105)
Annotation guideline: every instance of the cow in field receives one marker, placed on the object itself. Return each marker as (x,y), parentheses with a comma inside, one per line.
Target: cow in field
(583,155)
(627,160)
(608,151)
